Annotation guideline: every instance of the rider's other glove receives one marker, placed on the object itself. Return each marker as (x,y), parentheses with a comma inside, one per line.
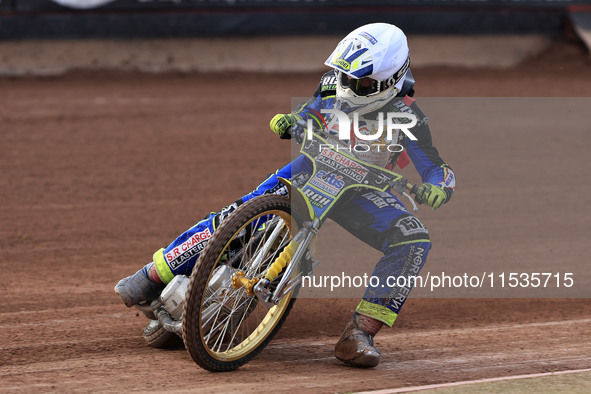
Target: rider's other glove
(432,195)
(281,124)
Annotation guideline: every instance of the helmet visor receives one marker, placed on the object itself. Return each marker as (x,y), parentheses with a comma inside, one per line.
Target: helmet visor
(365,86)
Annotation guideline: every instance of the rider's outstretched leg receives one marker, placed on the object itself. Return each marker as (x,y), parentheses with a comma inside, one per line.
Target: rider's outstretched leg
(381,305)
(380,220)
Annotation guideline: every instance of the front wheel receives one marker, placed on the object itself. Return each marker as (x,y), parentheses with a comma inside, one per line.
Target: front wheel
(224,325)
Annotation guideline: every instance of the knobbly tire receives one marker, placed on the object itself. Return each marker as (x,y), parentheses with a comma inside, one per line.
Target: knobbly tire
(157,337)
(223,326)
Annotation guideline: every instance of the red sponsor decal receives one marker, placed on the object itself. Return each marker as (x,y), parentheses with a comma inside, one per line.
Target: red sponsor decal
(196,239)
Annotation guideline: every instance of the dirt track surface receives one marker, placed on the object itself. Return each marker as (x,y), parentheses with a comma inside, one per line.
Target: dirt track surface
(98,171)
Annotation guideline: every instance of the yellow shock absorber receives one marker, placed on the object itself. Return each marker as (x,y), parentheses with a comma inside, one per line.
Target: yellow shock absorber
(281,261)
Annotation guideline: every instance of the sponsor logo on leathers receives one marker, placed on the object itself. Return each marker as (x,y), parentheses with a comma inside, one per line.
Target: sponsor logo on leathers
(330,183)
(183,252)
(411,225)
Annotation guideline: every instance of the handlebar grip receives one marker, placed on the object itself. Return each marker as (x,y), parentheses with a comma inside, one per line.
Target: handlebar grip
(412,188)
(298,131)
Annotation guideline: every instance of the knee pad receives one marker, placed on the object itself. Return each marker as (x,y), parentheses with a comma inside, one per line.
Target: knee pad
(405,229)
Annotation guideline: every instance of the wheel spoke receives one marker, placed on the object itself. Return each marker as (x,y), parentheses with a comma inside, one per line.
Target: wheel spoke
(240,322)
(217,314)
(226,321)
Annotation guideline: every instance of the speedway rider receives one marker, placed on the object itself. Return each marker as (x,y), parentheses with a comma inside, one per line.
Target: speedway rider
(370,74)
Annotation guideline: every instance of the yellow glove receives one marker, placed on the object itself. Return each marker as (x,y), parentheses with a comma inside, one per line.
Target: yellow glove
(432,195)
(281,123)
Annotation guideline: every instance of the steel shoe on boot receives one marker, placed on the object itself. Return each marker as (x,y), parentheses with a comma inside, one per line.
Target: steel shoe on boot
(356,344)
(138,288)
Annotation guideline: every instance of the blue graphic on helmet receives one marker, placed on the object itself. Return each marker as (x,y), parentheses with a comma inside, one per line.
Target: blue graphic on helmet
(345,63)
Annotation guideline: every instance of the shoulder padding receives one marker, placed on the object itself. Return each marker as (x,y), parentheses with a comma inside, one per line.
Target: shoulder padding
(327,85)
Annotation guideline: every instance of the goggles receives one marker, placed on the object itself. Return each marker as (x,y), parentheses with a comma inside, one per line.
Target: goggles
(365,86)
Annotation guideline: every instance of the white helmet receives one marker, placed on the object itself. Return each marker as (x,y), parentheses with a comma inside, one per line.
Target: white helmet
(370,63)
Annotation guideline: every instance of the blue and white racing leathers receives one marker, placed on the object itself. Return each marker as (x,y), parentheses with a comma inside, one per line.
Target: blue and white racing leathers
(377,218)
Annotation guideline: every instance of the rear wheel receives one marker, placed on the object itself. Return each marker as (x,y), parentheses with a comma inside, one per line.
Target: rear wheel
(156,336)
(224,324)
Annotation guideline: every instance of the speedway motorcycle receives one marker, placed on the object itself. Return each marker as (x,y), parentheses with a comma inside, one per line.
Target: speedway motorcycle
(245,281)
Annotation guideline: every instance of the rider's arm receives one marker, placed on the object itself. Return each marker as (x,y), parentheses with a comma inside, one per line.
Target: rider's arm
(323,97)
(426,158)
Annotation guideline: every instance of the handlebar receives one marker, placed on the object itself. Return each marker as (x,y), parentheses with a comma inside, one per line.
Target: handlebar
(412,189)
(297,131)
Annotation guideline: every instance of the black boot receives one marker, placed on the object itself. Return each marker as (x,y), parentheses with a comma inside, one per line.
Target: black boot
(356,344)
